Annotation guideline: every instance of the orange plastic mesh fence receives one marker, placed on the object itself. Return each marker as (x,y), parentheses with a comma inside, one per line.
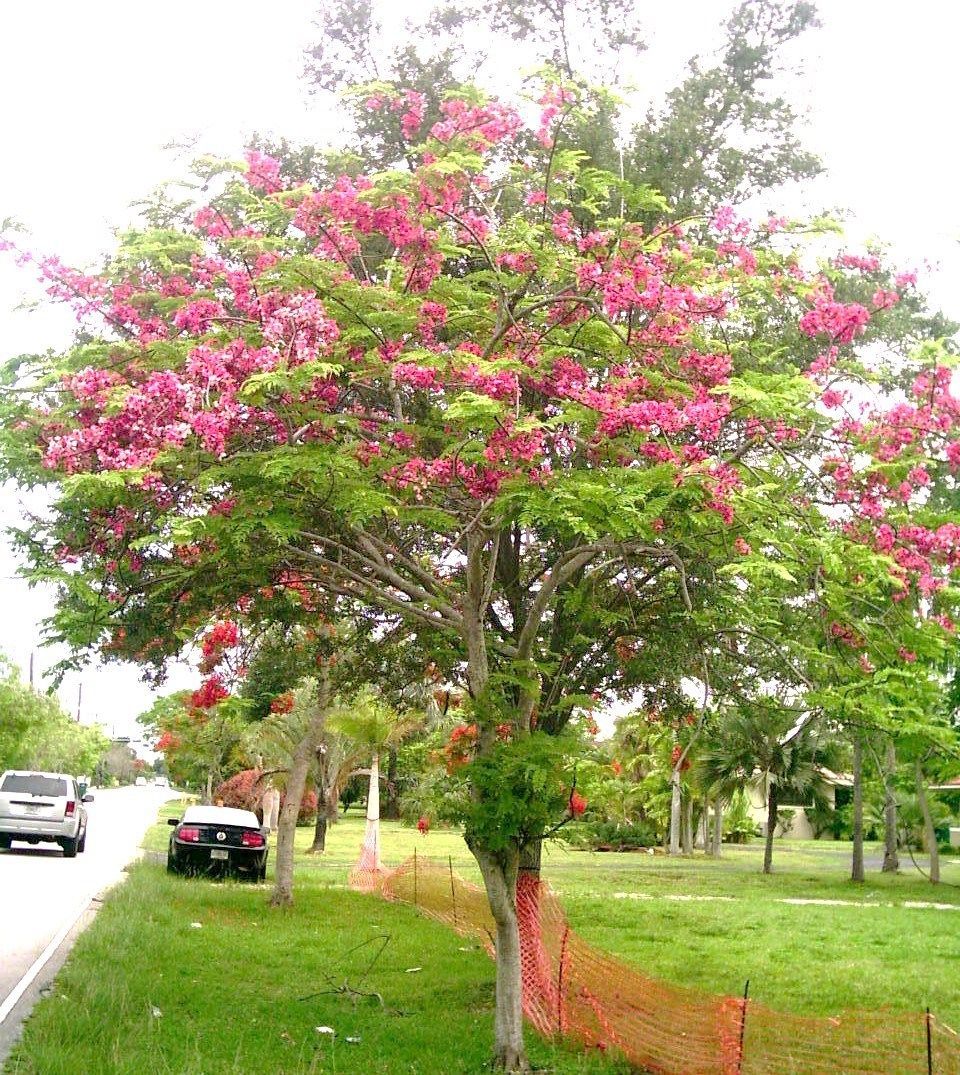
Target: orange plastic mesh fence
(572,989)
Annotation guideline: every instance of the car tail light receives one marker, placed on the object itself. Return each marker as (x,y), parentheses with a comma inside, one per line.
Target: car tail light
(252,839)
(189,834)
(71,807)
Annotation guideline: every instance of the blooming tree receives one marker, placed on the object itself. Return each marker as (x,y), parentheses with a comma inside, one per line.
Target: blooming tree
(477,399)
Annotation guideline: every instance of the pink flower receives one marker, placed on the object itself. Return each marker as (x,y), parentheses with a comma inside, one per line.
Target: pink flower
(263,172)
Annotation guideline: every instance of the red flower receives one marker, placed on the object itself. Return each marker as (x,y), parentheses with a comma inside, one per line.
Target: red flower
(211,691)
(577,803)
(167,742)
(283,703)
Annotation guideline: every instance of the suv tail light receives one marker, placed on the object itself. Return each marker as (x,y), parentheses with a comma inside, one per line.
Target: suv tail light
(252,839)
(189,834)
(71,807)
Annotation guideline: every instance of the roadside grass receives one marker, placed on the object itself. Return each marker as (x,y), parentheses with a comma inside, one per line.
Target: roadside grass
(229,991)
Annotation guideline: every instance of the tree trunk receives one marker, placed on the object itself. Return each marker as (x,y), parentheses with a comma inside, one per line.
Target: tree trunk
(531,854)
(500,880)
(331,806)
(296,782)
(687,829)
(371,839)
(675,812)
(320,827)
(208,792)
(856,872)
(717,826)
(500,870)
(703,829)
(929,836)
(771,828)
(391,805)
(891,860)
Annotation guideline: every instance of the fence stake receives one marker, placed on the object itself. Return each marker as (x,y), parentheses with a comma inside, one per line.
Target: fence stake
(453,891)
(743,1025)
(415,904)
(563,959)
(929,1045)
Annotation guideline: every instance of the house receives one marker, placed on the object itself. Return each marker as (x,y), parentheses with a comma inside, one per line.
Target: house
(795,823)
(951,785)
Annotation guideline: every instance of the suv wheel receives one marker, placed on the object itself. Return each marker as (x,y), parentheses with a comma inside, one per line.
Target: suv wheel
(5,841)
(82,846)
(69,847)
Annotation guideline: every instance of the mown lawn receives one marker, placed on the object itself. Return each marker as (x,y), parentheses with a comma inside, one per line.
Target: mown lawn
(230,992)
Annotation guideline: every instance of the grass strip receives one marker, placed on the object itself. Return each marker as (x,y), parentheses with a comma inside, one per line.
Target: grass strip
(195,977)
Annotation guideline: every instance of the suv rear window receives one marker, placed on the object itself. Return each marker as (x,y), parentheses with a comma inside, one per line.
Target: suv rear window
(34,784)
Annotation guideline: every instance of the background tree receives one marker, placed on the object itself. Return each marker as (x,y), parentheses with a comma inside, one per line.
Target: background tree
(762,747)
(36,733)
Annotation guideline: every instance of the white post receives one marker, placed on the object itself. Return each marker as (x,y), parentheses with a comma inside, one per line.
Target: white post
(372,838)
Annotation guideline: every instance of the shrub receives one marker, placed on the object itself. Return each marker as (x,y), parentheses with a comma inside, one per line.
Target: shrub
(738,826)
(245,791)
(611,836)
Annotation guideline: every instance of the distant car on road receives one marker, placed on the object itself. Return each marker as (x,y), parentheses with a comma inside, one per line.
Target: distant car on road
(161,782)
(48,807)
(140,782)
(218,840)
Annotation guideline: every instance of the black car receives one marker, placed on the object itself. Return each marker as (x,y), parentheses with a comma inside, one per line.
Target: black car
(218,840)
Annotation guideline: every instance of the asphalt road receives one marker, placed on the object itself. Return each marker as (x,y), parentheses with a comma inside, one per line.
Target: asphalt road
(46,897)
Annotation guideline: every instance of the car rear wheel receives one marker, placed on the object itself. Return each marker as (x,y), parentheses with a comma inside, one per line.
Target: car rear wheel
(69,847)
(172,865)
(5,842)
(82,846)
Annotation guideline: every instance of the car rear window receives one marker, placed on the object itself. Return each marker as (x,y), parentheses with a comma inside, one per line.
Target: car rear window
(34,784)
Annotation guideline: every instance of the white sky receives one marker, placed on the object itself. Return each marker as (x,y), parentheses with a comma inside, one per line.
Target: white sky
(93,90)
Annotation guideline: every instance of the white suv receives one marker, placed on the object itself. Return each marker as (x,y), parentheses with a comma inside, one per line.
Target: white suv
(42,806)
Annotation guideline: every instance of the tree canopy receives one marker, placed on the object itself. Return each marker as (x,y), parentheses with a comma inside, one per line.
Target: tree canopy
(481,400)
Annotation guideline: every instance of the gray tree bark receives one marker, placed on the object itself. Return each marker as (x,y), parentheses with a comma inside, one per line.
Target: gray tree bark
(296,782)
(856,870)
(500,869)
(891,860)
(703,826)
(717,843)
(687,829)
(500,881)
(675,805)
(319,844)
(929,836)
(772,804)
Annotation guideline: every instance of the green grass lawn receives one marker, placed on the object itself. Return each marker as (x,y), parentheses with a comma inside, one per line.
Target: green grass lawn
(147,990)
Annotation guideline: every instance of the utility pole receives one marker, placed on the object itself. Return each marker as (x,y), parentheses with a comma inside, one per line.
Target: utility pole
(31,669)
(79,696)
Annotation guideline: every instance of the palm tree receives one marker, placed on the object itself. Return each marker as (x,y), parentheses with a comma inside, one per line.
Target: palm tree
(372,727)
(763,745)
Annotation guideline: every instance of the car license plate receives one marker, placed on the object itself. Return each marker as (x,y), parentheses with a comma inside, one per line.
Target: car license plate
(32,808)
(219,853)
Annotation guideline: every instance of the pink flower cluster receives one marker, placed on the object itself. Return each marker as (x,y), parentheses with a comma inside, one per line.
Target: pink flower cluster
(263,172)
(841,322)
(552,101)
(480,126)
